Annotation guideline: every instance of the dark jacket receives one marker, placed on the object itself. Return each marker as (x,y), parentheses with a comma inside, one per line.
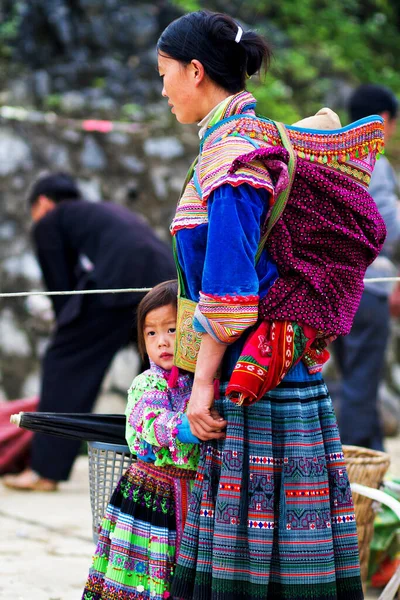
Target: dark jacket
(82,245)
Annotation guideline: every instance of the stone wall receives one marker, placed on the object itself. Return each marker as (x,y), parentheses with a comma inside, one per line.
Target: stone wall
(143,171)
(79,59)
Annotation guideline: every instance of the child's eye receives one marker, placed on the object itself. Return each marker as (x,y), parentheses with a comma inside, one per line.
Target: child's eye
(172,330)
(151,333)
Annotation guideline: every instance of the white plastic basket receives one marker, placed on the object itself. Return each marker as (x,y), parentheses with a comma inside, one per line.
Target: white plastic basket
(107,463)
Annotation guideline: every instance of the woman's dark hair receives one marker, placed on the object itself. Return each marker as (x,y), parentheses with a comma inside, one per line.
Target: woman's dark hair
(57,187)
(210,38)
(371,99)
(161,295)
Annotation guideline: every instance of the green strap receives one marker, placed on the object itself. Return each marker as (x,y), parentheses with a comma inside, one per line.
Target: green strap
(189,175)
(181,283)
(281,200)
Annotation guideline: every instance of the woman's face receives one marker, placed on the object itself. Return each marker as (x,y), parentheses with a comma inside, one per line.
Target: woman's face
(180,86)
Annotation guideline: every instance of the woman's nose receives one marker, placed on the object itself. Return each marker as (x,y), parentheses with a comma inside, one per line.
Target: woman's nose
(164,93)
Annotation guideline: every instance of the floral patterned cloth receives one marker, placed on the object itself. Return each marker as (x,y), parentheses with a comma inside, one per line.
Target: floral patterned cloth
(154,413)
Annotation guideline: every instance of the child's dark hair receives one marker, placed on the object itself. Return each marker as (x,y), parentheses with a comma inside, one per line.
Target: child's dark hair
(372,99)
(210,38)
(161,295)
(57,187)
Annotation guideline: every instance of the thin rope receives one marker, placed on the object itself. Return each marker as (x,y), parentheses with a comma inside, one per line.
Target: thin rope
(133,290)
(380,279)
(72,292)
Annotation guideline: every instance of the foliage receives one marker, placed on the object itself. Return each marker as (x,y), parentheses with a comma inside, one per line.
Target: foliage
(187,5)
(9,23)
(321,49)
(53,101)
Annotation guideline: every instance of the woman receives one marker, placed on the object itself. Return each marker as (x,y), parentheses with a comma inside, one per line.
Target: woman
(271,515)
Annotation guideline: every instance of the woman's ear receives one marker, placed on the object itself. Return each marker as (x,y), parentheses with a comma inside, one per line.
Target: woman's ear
(198,71)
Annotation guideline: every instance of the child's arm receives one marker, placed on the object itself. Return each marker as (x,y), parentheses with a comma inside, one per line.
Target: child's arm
(151,424)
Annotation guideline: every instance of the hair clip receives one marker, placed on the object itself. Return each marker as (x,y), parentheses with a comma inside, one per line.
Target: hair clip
(239,34)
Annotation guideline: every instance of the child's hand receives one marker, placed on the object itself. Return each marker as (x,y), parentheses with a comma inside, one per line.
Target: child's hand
(205,422)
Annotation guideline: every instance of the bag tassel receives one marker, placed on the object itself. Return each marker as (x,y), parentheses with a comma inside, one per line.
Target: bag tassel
(173,377)
(217,393)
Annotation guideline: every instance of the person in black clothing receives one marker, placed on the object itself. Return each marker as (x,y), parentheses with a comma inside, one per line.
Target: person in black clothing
(83,245)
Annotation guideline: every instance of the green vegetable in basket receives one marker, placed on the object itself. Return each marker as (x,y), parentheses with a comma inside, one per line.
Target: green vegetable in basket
(385,543)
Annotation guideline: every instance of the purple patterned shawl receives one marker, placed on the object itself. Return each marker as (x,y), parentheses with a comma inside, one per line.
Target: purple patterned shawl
(330,230)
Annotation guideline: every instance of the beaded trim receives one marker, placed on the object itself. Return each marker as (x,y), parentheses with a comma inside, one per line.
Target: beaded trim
(357,145)
(351,151)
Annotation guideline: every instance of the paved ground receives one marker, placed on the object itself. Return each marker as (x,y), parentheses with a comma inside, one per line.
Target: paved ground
(45,542)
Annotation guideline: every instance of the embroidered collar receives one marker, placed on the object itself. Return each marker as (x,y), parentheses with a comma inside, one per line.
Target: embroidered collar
(180,379)
(240,103)
(159,370)
(213,116)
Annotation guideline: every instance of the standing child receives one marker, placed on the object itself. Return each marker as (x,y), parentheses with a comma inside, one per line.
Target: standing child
(142,527)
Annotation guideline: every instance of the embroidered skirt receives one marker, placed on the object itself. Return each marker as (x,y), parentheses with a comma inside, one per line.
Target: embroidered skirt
(141,530)
(271,513)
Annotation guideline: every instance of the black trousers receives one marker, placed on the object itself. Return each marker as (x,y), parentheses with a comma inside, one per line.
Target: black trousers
(361,359)
(72,372)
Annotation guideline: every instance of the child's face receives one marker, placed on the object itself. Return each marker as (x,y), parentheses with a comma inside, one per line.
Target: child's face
(159,335)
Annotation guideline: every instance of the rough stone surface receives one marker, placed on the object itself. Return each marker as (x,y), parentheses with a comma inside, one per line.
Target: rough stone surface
(25,266)
(92,155)
(87,59)
(166,148)
(13,341)
(14,152)
(107,168)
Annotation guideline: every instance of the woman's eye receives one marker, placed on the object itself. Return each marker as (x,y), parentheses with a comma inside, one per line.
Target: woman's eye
(172,330)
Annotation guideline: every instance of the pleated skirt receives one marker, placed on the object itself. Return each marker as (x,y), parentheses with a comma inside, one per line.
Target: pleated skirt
(140,533)
(271,514)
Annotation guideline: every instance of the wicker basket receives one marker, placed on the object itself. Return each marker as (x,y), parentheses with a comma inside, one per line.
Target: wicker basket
(107,463)
(367,467)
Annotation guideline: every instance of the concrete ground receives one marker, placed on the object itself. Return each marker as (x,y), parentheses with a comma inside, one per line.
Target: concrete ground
(46,544)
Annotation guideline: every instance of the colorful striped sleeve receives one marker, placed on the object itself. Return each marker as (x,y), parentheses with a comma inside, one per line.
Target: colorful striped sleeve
(228,303)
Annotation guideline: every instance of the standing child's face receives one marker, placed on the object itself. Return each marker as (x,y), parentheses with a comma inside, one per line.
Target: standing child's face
(159,335)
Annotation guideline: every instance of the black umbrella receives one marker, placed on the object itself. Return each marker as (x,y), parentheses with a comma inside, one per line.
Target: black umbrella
(109,429)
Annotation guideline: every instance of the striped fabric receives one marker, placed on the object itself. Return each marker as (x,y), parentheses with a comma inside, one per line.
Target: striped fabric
(191,211)
(139,535)
(240,103)
(217,159)
(271,515)
(226,317)
(351,151)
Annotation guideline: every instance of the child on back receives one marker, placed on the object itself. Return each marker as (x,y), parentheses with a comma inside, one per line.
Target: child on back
(142,527)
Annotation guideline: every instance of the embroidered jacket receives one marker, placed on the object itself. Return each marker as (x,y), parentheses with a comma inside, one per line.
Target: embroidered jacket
(154,418)
(312,268)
